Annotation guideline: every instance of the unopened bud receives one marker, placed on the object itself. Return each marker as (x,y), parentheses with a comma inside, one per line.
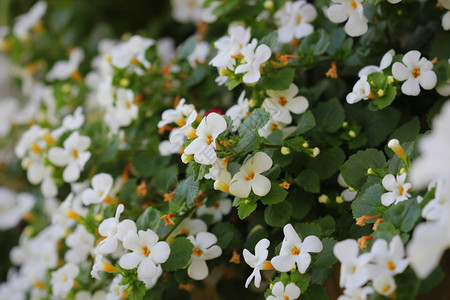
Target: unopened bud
(345,124)
(246,201)
(124,82)
(285,150)
(305,144)
(402,170)
(99,218)
(324,199)
(352,133)
(186,158)
(390,79)
(315,152)
(66,88)
(394,144)
(252,102)
(268,4)
(370,171)
(339,199)
(224,72)
(380,93)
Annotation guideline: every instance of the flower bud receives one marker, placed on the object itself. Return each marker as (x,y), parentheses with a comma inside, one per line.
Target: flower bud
(352,133)
(324,199)
(315,152)
(370,171)
(394,144)
(380,93)
(285,150)
(339,199)
(186,158)
(268,4)
(124,82)
(390,79)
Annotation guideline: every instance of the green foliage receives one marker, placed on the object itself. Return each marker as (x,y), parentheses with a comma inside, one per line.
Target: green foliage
(305,123)
(368,203)
(329,115)
(248,131)
(149,219)
(309,180)
(224,232)
(276,195)
(279,80)
(315,44)
(277,215)
(328,162)
(403,215)
(354,170)
(180,254)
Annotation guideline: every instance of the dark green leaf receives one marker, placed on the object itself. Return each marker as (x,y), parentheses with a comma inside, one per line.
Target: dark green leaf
(329,115)
(325,259)
(403,215)
(150,218)
(308,180)
(369,203)
(276,195)
(305,123)
(180,254)
(224,233)
(279,80)
(278,215)
(327,162)
(245,209)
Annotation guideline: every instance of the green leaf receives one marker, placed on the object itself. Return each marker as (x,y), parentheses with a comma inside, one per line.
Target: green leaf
(270,39)
(301,280)
(432,280)
(199,170)
(329,115)
(309,180)
(408,131)
(248,131)
(166,177)
(320,276)
(224,233)
(407,285)
(180,254)
(187,191)
(279,80)
(150,218)
(325,259)
(327,162)
(128,193)
(276,195)
(301,203)
(315,292)
(278,215)
(389,95)
(354,170)
(369,203)
(188,47)
(196,76)
(305,123)
(403,215)
(306,229)
(148,163)
(327,224)
(316,43)
(245,209)
(256,234)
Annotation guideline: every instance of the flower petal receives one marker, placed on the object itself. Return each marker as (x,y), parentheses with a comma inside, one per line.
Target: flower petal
(198,269)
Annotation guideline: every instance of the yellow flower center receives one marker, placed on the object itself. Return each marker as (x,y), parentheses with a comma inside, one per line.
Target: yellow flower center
(75,154)
(401,190)
(353,4)
(250,176)
(299,19)
(391,265)
(416,72)
(209,139)
(282,101)
(273,127)
(145,251)
(184,231)
(386,288)
(35,148)
(286,298)
(295,251)
(197,252)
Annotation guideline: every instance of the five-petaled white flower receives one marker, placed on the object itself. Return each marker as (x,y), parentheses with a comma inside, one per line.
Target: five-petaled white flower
(73,156)
(203,147)
(249,177)
(281,103)
(294,20)
(385,62)
(257,261)
(65,69)
(294,251)
(361,91)
(176,115)
(387,260)
(351,10)
(63,279)
(114,230)
(204,249)
(101,185)
(254,57)
(147,253)
(230,47)
(280,292)
(26,21)
(398,189)
(416,71)
(239,111)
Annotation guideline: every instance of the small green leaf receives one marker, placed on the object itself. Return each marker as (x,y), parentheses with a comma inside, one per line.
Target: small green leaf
(305,123)
(407,285)
(329,115)
(407,132)
(245,209)
(315,44)
(279,80)
(309,180)
(327,224)
(306,229)
(180,254)
(315,292)
(301,280)
(199,170)
(354,170)
(270,39)
(325,259)
(327,162)
(188,47)
(224,233)
(276,195)
(278,215)
(403,215)
(248,131)
(389,95)
(150,218)
(369,203)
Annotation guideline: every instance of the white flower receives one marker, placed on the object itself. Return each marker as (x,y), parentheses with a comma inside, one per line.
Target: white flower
(131,52)
(294,251)
(254,57)
(351,10)
(204,249)
(64,69)
(203,147)
(75,121)
(435,209)
(273,125)
(249,177)
(10,107)
(185,11)
(63,279)
(187,131)
(356,294)
(101,185)
(281,103)
(398,189)
(384,285)
(361,91)
(13,207)
(85,295)
(73,156)
(114,231)
(385,62)
(256,261)
(147,253)
(175,146)
(347,194)
(230,47)
(199,55)
(280,292)
(176,115)
(416,71)
(189,227)
(26,21)
(239,111)
(434,162)
(116,289)
(127,110)
(387,261)
(81,243)
(354,272)
(446,21)
(294,20)
(219,209)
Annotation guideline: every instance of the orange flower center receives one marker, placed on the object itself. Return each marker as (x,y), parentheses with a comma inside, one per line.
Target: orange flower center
(197,252)
(145,251)
(401,190)
(295,251)
(209,139)
(274,127)
(250,176)
(416,72)
(299,19)
(386,288)
(36,149)
(75,154)
(391,265)
(282,101)
(353,4)
(286,298)
(184,231)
